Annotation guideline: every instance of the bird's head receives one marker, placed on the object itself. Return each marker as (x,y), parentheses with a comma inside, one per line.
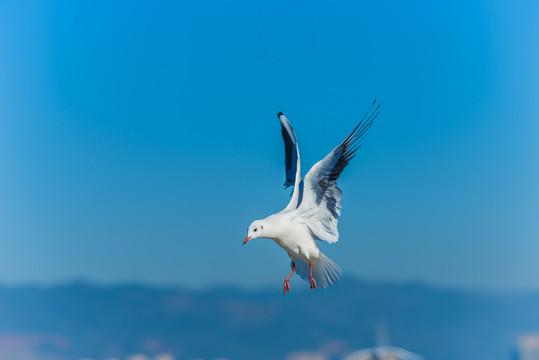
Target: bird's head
(256,230)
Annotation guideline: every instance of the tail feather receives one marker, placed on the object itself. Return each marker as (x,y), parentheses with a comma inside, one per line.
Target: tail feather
(325,271)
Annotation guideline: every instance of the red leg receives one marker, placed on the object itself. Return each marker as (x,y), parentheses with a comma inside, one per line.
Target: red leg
(313,283)
(286,281)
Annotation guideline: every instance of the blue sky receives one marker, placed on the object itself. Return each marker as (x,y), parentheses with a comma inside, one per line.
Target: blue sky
(138,140)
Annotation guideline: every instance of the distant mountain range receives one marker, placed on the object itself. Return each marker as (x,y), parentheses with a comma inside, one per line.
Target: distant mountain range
(88,321)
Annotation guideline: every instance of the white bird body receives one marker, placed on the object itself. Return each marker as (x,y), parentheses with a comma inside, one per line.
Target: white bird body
(314,209)
(295,238)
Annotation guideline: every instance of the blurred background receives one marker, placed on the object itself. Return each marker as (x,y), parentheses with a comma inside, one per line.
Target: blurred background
(138,140)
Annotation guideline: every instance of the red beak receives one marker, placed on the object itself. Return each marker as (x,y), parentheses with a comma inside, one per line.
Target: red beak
(246,239)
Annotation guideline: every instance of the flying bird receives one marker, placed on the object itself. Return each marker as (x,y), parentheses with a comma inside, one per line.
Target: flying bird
(314,209)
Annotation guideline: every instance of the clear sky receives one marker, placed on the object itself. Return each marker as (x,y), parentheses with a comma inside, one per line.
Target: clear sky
(138,140)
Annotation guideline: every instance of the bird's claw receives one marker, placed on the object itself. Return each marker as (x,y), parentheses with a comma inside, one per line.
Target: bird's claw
(286,286)
(313,283)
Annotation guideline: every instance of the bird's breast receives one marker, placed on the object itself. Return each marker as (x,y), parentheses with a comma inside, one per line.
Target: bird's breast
(298,242)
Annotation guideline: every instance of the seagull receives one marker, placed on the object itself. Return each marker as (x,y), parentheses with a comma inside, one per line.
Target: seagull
(314,209)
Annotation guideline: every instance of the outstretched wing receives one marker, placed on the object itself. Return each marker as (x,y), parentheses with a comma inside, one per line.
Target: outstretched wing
(292,163)
(321,204)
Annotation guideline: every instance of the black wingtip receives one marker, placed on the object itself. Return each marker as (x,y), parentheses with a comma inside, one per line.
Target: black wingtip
(279,114)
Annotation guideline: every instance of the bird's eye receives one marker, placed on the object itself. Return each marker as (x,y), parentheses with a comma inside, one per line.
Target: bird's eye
(255,230)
